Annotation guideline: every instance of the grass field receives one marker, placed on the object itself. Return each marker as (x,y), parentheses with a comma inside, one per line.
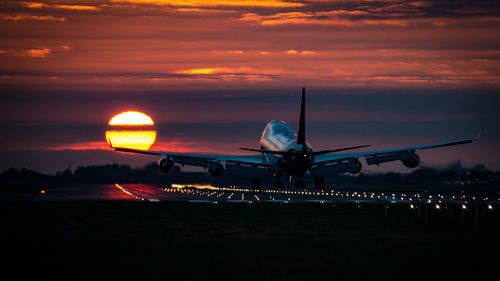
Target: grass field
(182,241)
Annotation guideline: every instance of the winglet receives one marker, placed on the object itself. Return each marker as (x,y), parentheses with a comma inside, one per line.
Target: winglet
(479,134)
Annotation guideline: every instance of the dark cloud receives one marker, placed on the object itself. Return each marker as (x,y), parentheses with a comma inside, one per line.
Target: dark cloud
(316,11)
(143,75)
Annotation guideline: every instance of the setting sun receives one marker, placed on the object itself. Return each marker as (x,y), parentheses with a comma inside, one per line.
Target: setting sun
(131,129)
(131,118)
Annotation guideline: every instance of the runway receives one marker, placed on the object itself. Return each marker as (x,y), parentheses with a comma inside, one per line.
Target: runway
(231,195)
(186,232)
(216,195)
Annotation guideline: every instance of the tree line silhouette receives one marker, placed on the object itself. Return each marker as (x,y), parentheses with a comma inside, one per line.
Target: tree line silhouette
(453,174)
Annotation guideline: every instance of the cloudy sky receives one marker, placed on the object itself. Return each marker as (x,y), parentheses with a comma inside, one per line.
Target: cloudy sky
(212,73)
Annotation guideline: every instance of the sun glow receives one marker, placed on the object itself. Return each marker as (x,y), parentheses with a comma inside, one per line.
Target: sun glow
(131,118)
(131,129)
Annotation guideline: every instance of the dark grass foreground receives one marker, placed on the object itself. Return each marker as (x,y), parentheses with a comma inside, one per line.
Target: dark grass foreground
(181,241)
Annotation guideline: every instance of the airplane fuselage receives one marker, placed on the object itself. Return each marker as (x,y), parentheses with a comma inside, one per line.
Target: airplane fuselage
(279,136)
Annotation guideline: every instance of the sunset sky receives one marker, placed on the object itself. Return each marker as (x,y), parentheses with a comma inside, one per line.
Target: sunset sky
(212,73)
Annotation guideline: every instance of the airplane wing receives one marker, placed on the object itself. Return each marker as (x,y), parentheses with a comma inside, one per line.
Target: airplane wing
(382,156)
(206,160)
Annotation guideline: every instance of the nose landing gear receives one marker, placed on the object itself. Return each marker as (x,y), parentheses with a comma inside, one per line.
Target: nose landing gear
(300,183)
(256,183)
(319,183)
(278,184)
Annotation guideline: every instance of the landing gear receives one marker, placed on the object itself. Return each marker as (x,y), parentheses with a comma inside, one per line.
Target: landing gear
(300,184)
(278,184)
(256,183)
(319,183)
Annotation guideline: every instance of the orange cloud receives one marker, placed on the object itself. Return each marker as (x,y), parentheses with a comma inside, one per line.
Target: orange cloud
(295,52)
(36,52)
(234,52)
(320,18)
(33,5)
(402,79)
(21,17)
(230,73)
(204,11)
(342,12)
(214,70)
(205,3)
(77,7)
(64,48)
(38,5)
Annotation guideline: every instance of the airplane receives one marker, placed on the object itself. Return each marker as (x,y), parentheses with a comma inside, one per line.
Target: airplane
(286,153)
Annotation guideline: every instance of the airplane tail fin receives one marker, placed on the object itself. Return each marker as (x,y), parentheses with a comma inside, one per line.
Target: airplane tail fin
(301,131)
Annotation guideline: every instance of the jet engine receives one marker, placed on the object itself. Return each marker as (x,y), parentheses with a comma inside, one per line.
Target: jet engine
(412,161)
(165,165)
(216,169)
(354,167)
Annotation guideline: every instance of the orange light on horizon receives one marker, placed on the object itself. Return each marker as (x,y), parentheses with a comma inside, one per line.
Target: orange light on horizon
(131,118)
(131,129)
(203,3)
(213,70)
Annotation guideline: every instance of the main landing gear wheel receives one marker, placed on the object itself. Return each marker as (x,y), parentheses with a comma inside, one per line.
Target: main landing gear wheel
(319,183)
(300,184)
(278,184)
(256,183)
